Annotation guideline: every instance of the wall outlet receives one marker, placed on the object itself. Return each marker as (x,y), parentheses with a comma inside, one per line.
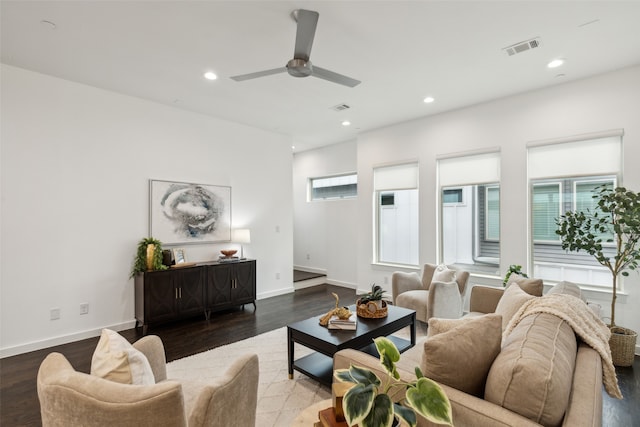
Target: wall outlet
(277,228)
(277,276)
(84,308)
(308,256)
(386,280)
(54,314)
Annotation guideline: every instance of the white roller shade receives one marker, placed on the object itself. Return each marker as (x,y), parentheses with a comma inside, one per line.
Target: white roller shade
(468,170)
(601,156)
(398,177)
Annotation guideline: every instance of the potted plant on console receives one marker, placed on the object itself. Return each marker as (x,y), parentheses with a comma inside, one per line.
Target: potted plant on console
(367,403)
(148,256)
(617,220)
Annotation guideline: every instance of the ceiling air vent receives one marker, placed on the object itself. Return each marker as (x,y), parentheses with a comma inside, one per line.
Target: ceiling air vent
(522,46)
(340,107)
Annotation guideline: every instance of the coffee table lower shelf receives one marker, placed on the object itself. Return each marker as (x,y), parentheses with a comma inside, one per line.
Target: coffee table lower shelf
(320,367)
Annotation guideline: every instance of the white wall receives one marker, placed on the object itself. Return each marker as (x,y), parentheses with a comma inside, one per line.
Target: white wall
(76,162)
(326,231)
(610,101)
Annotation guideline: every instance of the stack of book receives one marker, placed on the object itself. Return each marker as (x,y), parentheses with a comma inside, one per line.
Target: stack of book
(347,324)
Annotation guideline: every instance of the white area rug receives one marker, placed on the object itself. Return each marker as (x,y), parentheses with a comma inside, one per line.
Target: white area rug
(279,398)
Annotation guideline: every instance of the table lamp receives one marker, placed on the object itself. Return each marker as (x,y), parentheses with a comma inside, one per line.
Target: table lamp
(241,235)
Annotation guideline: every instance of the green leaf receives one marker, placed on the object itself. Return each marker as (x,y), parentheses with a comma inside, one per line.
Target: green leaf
(430,401)
(406,414)
(357,402)
(343,375)
(363,376)
(381,414)
(389,355)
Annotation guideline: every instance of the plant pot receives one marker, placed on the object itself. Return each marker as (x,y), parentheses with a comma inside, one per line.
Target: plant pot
(623,345)
(151,249)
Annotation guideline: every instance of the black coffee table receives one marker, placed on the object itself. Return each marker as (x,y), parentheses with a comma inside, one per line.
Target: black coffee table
(326,342)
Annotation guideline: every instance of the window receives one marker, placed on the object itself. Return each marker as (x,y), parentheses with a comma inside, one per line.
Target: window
(333,187)
(453,195)
(563,176)
(470,212)
(396,213)
(492,208)
(545,210)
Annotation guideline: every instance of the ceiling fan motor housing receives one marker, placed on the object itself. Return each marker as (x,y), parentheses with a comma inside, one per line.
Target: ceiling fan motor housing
(299,68)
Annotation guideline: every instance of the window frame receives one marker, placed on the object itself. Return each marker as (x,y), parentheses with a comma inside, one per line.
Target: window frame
(408,181)
(310,188)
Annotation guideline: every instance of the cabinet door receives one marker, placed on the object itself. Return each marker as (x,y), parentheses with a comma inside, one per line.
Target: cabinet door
(160,297)
(244,289)
(190,291)
(219,286)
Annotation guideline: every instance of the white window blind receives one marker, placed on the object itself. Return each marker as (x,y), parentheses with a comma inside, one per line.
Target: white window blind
(397,177)
(471,169)
(600,156)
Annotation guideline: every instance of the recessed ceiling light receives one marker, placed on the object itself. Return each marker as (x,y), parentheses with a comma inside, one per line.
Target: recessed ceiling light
(209,75)
(429,100)
(555,63)
(346,123)
(293,147)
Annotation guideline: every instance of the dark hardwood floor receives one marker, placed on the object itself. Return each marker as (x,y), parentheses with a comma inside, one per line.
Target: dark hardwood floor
(19,401)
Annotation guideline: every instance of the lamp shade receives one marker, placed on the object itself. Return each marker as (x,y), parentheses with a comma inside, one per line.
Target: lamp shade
(242,235)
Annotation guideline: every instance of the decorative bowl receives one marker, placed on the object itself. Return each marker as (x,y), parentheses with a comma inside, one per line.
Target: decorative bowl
(229,252)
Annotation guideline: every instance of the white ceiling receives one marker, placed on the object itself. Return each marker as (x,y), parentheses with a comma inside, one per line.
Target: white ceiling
(402,51)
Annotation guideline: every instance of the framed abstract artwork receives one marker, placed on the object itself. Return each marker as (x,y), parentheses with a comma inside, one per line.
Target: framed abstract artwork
(181,212)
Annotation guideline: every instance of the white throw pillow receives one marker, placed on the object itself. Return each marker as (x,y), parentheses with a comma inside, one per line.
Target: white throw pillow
(117,360)
(443,274)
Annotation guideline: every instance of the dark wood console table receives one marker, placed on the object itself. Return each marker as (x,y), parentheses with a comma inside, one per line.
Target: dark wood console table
(178,293)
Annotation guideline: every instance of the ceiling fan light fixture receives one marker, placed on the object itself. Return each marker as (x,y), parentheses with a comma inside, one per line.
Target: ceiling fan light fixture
(210,75)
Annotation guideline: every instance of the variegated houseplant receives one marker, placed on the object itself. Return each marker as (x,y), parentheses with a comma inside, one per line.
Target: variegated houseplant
(367,402)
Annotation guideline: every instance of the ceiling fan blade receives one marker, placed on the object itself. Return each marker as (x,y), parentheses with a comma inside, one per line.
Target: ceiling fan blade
(307,22)
(259,74)
(334,77)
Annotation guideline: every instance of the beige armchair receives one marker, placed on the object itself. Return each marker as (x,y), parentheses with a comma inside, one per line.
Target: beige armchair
(427,297)
(71,398)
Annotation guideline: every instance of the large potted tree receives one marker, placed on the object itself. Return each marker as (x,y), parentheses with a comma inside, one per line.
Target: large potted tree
(616,219)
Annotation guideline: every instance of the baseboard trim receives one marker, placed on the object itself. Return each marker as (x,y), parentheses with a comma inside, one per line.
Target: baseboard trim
(275,293)
(62,339)
(310,269)
(341,284)
(307,283)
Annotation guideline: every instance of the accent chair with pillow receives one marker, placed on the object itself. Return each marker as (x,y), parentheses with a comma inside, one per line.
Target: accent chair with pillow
(438,293)
(129,387)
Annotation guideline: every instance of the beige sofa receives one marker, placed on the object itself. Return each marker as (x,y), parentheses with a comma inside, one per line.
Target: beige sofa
(541,374)
(71,398)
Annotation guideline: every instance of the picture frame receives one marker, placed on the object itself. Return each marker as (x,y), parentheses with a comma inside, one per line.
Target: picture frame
(189,213)
(179,256)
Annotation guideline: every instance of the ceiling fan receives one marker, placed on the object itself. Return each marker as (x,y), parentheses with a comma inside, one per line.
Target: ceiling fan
(300,65)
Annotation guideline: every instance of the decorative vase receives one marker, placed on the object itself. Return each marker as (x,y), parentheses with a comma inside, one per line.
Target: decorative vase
(623,346)
(151,249)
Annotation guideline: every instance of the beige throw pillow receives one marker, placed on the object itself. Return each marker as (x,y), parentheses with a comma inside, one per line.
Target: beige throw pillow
(531,286)
(510,302)
(533,374)
(459,353)
(443,274)
(117,360)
